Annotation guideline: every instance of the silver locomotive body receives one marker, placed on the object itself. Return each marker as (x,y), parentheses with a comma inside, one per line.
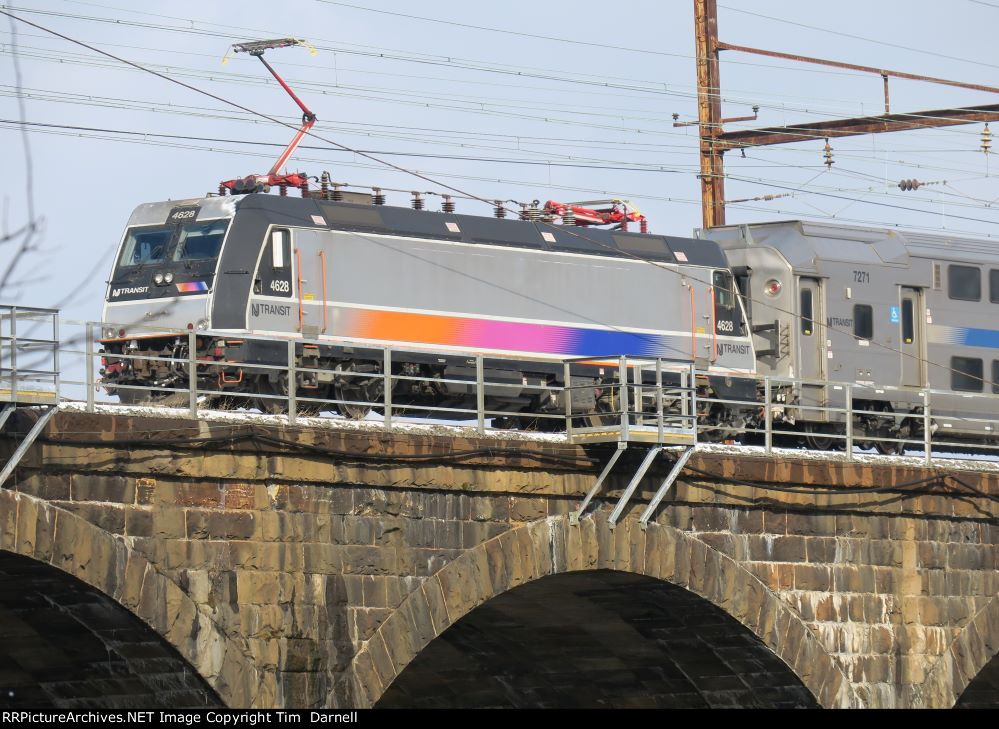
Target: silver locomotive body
(343,280)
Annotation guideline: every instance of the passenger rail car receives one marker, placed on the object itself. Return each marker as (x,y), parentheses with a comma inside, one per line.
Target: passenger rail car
(343,279)
(895,312)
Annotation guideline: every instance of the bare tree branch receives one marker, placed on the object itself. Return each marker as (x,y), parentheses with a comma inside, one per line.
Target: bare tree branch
(30,230)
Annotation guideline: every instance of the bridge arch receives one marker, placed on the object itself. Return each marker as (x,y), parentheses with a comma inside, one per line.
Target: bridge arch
(967,674)
(35,529)
(552,547)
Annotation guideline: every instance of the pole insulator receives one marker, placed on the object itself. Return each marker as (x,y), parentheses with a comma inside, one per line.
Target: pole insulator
(378,197)
(498,210)
(417,201)
(447,205)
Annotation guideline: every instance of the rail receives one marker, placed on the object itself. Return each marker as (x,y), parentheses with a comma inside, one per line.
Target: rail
(44,360)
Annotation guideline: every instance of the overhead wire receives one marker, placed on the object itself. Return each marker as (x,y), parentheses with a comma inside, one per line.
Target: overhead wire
(798,190)
(399,168)
(555,120)
(854,36)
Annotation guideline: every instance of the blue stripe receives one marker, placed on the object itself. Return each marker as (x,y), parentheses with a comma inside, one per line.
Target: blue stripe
(979,337)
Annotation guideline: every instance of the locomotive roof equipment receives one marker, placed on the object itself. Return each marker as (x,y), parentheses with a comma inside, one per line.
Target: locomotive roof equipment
(262,183)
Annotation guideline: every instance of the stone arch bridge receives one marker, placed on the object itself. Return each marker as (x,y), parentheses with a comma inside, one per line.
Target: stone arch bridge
(149,560)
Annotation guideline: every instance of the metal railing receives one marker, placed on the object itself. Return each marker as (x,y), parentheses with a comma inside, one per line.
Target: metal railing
(640,399)
(651,401)
(29,355)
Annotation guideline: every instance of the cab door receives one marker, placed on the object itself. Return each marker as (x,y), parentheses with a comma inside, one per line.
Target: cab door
(910,323)
(811,343)
(310,268)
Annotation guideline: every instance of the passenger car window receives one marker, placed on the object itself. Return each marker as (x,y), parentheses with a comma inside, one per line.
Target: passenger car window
(994,285)
(964,283)
(995,375)
(966,374)
(908,322)
(806,312)
(863,321)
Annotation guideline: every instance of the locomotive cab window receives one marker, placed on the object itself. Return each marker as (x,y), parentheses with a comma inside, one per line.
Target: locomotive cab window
(964,283)
(722,283)
(200,241)
(274,270)
(145,245)
(966,374)
(863,321)
(807,314)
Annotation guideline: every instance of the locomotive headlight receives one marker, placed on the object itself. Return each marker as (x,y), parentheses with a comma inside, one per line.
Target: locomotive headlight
(772,287)
(168,278)
(109,332)
(158,279)
(202,325)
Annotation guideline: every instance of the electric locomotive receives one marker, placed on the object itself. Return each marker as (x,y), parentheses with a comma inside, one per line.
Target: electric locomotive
(343,279)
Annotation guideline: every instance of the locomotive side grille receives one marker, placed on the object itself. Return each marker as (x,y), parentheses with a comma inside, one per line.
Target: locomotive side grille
(937,277)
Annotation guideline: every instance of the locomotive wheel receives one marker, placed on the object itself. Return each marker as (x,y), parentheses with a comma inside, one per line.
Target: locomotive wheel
(818,438)
(273,406)
(133,397)
(359,390)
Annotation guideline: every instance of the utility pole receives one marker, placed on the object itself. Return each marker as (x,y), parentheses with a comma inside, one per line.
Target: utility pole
(709,112)
(714,141)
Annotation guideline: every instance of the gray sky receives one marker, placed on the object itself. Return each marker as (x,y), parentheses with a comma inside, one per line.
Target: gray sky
(591,120)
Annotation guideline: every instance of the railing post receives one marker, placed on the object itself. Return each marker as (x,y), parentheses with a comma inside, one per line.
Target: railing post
(192,373)
(659,399)
(927,430)
(387,385)
(55,353)
(480,395)
(567,399)
(622,378)
(768,417)
(849,422)
(13,354)
(685,420)
(693,399)
(90,385)
(292,384)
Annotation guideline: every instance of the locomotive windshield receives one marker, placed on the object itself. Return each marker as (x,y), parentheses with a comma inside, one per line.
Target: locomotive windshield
(195,241)
(145,245)
(199,241)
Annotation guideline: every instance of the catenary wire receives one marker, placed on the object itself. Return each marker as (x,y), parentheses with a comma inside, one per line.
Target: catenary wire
(404,170)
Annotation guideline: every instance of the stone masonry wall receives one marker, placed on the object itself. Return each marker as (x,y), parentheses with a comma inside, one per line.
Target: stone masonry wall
(301,565)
